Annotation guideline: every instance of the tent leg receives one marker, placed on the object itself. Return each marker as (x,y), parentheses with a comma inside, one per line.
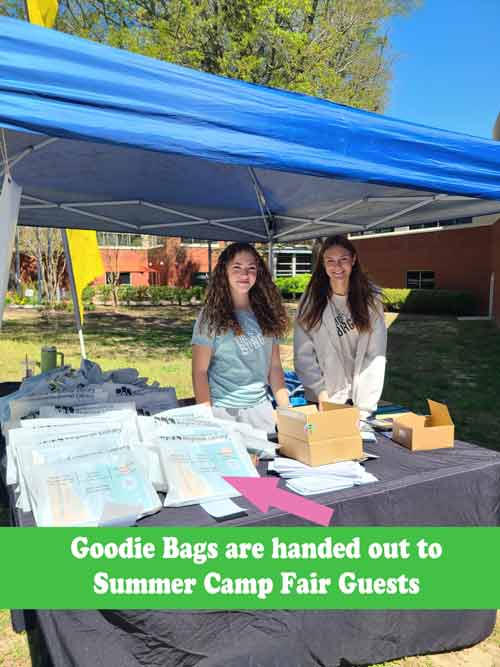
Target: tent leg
(270,258)
(74,296)
(82,344)
(18,265)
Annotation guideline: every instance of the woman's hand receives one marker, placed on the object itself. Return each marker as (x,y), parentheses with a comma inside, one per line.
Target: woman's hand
(322,396)
(277,380)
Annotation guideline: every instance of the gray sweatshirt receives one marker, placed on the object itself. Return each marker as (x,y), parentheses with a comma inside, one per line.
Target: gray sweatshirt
(323,361)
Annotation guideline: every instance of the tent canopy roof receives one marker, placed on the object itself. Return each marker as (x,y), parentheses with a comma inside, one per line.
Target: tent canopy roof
(104,139)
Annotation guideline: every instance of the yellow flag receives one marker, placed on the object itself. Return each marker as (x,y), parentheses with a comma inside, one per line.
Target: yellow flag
(42,12)
(86,260)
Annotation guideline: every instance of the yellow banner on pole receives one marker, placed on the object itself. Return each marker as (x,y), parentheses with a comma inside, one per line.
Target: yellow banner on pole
(86,261)
(42,12)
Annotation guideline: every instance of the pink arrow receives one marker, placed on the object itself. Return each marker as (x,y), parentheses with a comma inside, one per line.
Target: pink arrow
(263,492)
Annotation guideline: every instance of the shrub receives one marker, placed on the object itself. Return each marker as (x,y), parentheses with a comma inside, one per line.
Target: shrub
(105,293)
(126,294)
(198,292)
(141,293)
(63,305)
(154,295)
(429,302)
(182,294)
(19,300)
(293,286)
(88,294)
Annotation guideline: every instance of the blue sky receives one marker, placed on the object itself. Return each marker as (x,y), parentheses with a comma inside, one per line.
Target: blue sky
(447,73)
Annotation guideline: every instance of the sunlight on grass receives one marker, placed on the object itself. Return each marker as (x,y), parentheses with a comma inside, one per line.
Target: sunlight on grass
(428,357)
(441,358)
(14,651)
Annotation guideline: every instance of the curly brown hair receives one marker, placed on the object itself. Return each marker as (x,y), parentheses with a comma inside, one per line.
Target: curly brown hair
(362,294)
(265,298)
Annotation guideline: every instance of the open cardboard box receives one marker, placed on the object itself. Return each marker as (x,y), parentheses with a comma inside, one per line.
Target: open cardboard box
(317,438)
(421,432)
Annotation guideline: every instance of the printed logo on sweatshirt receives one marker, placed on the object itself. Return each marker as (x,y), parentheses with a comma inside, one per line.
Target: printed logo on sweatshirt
(344,324)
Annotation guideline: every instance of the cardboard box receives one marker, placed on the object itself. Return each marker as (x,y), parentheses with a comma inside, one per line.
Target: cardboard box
(322,452)
(423,432)
(317,438)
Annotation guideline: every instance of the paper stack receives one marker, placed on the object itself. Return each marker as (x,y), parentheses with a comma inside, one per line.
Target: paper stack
(81,471)
(308,480)
(196,452)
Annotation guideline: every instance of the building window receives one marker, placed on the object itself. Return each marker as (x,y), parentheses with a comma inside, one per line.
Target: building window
(123,278)
(186,240)
(291,263)
(420,280)
(120,240)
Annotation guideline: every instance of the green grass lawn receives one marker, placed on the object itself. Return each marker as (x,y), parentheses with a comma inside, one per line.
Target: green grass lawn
(428,357)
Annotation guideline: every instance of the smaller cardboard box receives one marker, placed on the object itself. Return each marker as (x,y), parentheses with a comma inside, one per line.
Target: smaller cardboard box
(317,438)
(423,432)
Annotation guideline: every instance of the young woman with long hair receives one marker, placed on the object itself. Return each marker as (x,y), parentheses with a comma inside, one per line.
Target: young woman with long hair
(235,340)
(340,337)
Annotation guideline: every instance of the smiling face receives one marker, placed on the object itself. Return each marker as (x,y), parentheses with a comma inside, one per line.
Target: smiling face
(338,263)
(241,276)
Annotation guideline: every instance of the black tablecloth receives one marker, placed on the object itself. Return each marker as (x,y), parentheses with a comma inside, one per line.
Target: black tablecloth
(449,487)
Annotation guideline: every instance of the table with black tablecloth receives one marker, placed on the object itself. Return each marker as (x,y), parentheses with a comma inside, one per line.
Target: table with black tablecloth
(447,487)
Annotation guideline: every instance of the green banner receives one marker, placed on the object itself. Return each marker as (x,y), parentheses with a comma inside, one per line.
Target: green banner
(250,568)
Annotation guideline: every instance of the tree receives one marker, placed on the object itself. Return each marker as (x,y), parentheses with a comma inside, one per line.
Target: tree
(46,244)
(329,48)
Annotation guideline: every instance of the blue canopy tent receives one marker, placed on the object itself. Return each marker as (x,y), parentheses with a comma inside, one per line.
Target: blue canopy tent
(104,139)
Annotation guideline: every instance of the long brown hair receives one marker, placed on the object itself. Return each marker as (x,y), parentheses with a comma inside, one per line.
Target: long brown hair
(265,298)
(361,297)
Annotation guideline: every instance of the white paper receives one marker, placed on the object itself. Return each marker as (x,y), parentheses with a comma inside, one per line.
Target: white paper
(221,509)
(195,466)
(308,480)
(31,448)
(106,488)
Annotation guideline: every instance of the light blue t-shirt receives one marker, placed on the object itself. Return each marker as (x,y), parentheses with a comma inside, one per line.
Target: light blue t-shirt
(239,368)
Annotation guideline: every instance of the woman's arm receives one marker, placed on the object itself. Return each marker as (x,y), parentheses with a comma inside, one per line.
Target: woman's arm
(372,373)
(306,363)
(199,369)
(276,379)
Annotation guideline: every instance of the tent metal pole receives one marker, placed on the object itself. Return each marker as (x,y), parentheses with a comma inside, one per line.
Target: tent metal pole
(39,265)
(18,265)
(408,209)
(270,256)
(74,296)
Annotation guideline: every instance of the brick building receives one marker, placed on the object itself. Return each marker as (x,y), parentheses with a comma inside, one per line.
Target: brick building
(150,260)
(455,257)
(142,260)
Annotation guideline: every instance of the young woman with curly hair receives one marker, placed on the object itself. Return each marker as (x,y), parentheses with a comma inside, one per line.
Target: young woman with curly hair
(235,340)
(340,337)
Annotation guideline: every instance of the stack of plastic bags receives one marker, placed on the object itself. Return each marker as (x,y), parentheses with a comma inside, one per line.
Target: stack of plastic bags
(79,454)
(88,384)
(308,480)
(81,470)
(196,451)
